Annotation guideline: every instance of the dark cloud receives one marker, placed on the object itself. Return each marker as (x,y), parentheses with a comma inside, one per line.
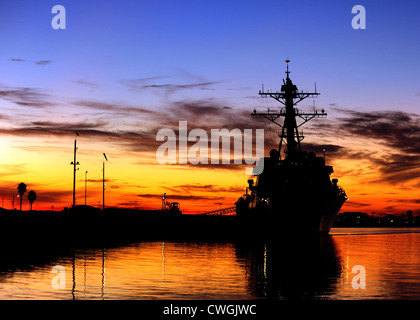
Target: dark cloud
(251,97)
(136,204)
(209,115)
(167,88)
(199,114)
(129,140)
(170,86)
(26,97)
(113,107)
(43,62)
(38,128)
(218,166)
(331,150)
(397,132)
(207,188)
(180,197)
(396,168)
(50,197)
(395,129)
(202,114)
(138,83)
(196,187)
(358,204)
(98,180)
(90,84)
(416,201)
(197,110)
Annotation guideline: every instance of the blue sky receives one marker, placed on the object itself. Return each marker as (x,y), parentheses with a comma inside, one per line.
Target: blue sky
(235,44)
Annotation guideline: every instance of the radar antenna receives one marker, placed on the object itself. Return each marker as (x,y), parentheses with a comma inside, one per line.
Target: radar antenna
(289,96)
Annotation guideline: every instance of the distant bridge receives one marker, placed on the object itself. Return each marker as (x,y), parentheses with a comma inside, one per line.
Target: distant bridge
(221,212)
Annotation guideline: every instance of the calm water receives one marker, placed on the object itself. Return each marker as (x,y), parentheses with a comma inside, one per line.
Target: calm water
(170,270)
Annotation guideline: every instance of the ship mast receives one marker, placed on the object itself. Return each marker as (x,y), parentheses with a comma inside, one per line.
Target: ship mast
(289,96)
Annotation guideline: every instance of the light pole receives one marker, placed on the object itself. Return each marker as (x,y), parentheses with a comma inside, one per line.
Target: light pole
(85,185)
(103,184)
(74,163)
(163,202)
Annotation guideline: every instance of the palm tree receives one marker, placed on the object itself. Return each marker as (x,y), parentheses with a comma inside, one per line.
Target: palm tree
(21,190)
(31,197)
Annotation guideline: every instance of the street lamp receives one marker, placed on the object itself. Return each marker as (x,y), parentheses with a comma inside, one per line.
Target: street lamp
(163,202)
(85,185)
(74,163)
(103,183)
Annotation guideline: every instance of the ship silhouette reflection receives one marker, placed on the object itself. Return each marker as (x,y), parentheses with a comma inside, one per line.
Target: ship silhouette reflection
(291,270)
(288,269)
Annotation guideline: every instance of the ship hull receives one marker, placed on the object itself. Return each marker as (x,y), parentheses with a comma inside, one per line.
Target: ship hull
(331,214)
(305,217)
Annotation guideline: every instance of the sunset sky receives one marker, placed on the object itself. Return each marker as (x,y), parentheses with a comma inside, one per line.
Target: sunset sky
(123,70)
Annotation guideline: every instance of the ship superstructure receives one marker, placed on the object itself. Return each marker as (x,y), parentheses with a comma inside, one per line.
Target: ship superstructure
(295,188)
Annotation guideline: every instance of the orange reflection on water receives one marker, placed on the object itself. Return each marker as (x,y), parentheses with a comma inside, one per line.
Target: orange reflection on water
(160,270)
(174,271)
(155,270)
(290,269)
(391,263)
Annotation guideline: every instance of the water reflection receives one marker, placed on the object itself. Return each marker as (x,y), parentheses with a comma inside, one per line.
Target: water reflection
(271,269)
(87,273)
(290,270)
(181,271)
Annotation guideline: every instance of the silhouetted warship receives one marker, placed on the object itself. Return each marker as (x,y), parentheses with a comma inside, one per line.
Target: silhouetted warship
(295,192)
